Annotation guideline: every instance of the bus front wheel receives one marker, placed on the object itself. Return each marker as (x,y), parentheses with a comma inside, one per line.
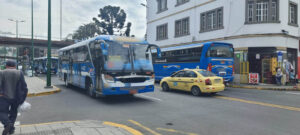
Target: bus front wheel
(90,90)
(67,83)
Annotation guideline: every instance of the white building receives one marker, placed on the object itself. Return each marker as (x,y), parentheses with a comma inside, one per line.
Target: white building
(258,29)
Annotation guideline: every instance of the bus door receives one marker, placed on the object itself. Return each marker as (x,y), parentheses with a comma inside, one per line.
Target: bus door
(71,67)
(97,60)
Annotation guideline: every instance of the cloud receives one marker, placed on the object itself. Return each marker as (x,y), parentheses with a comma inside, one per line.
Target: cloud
(75,13)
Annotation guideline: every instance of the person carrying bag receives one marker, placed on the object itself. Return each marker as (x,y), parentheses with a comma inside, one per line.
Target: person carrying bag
(13,92)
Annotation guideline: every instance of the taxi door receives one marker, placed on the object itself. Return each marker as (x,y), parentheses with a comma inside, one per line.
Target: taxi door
(176,81)
(188,80)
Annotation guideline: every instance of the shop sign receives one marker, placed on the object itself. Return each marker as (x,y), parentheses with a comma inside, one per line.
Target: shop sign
(279,56)
(253,78)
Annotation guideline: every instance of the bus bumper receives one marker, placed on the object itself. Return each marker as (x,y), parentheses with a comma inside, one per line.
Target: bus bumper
(127,90)
(228,79)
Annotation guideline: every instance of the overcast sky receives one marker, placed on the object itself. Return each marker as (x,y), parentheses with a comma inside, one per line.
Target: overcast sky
(75,13)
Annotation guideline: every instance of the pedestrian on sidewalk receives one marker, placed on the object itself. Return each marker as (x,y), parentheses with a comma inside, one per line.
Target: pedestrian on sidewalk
(278,76)
(292,77)
(13,92)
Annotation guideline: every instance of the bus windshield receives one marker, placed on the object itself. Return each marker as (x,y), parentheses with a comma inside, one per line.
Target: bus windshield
(223,51)
(120,57)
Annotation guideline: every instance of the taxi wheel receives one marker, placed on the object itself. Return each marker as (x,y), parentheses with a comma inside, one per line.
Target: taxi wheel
(196,91)
(165,87)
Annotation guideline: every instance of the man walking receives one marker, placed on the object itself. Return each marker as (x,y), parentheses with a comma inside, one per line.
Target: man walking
(13,92)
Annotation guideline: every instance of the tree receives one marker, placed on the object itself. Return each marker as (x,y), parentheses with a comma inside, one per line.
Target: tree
(86,31)
(112,19)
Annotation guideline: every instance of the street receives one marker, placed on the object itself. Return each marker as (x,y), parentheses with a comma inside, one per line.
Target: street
(231,112)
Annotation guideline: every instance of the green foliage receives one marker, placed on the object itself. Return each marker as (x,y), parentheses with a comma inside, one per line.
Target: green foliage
(86,31)
(112,19)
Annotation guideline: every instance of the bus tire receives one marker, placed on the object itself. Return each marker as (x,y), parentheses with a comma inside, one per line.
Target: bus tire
(66,82)
(89,89)
(195,91)
(165,86)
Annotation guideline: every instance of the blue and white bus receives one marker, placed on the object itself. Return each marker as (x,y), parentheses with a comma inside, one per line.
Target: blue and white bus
(40,65)
(213,56)
(108,65)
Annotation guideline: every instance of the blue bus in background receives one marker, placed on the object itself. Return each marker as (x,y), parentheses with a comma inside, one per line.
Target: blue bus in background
(40,65)
(108,65)
(212,56)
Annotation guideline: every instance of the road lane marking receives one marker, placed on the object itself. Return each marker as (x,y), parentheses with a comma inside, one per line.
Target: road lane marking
(127,128)
(175,131)
(149,97)
(293,93)
(260,103)
(144,127)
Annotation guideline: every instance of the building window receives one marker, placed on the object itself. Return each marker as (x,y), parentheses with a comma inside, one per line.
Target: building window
(261,11)
(211,20)
(182,27)
(162,32)
(161,6)
(180,2)
(293,12)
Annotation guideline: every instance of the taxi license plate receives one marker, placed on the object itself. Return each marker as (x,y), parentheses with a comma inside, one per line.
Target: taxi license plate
(133,91)
(217,80)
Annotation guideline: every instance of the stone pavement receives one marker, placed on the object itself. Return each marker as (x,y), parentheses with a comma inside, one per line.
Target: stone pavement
(36,87)
(87,127)
(267,87)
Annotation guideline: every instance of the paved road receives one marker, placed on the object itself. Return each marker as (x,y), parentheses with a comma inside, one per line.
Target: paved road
(232,112)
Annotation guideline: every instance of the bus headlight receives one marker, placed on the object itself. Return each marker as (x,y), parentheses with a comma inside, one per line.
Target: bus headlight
(152,77)
(109,78)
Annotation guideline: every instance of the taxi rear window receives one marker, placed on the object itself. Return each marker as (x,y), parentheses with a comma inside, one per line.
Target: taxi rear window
(206,73)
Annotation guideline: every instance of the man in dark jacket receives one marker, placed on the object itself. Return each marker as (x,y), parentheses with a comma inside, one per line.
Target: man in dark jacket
(13,92)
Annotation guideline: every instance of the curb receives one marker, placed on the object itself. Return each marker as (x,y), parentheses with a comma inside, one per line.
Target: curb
(57,90)
(107,123)
(262,88)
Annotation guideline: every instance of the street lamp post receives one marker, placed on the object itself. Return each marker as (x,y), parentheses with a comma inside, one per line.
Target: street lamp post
(17,24)
(49,47)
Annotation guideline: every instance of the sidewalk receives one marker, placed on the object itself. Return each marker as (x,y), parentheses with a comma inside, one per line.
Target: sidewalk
(36,87)
(87,127)
(266,87)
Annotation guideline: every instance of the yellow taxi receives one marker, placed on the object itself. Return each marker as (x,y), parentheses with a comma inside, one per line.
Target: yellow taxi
(196,81)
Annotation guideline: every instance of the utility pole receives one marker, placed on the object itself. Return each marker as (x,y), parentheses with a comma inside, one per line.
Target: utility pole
(60,19)
(49,47)
(32,48)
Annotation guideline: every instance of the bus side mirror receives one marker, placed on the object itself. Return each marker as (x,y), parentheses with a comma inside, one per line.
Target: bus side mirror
(157,50)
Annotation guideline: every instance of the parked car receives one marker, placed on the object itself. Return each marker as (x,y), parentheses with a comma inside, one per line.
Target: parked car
(196,81)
